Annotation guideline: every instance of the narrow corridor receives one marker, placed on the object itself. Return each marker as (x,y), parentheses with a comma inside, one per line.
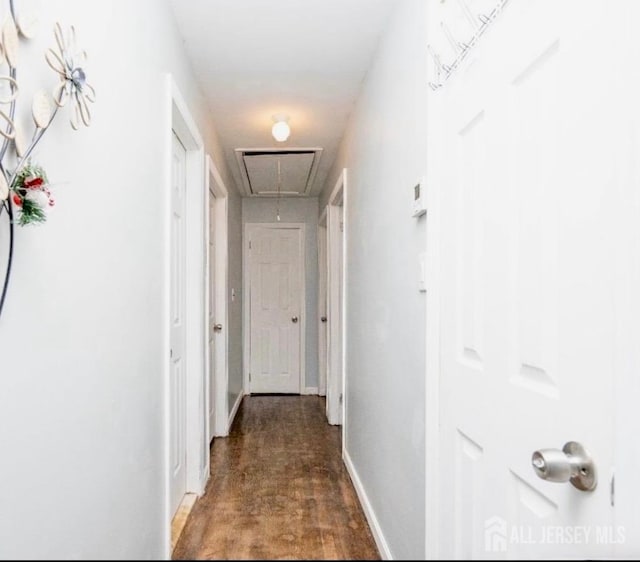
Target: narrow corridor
(278,490)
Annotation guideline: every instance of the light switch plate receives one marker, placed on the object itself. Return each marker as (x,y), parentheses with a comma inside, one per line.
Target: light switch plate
(419,198)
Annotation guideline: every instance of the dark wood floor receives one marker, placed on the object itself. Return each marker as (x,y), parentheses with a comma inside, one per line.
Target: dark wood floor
(278,490)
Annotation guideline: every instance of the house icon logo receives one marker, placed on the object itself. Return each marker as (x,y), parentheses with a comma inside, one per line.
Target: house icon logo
(495,534)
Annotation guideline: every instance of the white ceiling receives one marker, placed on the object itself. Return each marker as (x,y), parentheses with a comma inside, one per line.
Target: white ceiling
(305,58)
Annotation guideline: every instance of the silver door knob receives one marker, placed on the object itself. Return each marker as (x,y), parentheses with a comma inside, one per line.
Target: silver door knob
(217,327)
(294,320)
(573,464)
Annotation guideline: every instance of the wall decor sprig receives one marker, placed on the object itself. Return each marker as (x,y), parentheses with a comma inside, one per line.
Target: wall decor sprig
(478,25)
(25,194)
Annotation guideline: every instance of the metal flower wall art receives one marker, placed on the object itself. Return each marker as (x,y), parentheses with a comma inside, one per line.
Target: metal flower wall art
(25,192)
(69,63)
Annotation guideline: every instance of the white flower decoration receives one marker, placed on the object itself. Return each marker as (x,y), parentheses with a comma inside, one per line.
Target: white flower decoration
(68,62)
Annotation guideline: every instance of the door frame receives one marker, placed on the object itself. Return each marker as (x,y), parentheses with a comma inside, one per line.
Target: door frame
(178,119)
(246,291)
(337,314)
(432,343)
(323,331)
(433,373)
(217,190)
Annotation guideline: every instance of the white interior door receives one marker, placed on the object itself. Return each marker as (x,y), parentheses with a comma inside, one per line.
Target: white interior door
(276,264)
(322,310)
(178,481)
(537,171)
(335,374)
(212,316)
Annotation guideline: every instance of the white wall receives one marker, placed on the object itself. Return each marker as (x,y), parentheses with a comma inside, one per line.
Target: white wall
(302,210)
(81,385)
(385,152)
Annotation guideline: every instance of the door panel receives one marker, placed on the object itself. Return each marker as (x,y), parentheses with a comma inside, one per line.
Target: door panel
(276,274)
(335,302)
(322,311)
(532,188)
(212,315)
(177,370)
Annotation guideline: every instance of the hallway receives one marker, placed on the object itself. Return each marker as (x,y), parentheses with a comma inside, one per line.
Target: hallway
(361,283)
(278,490)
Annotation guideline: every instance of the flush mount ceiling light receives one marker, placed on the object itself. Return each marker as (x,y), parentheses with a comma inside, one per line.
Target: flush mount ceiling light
(280,129)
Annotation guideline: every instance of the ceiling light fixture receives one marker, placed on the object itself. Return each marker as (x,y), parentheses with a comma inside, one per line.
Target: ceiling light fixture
(280,129)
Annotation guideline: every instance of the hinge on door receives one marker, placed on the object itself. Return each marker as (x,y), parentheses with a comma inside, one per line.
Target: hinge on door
(612,490)
(341,398)
(249,244)
(249,377)
(341,227)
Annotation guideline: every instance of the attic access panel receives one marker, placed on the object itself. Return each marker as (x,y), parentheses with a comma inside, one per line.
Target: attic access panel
(259,170)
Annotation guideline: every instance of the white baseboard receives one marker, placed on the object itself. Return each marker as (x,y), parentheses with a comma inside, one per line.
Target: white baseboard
(234,410)
(310,390)
(376,531)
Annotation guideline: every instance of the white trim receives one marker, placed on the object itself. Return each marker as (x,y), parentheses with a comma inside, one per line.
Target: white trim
(195,288)
(322,218)
(246,308)
(336,255)
(334,198)
(323,270)
(246,283)
(234,411)
(370,514)
(216,186)
(432,343)
(322,307)
(178,119)
(345,267)
(310,390)
(165,318)
(432,377)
